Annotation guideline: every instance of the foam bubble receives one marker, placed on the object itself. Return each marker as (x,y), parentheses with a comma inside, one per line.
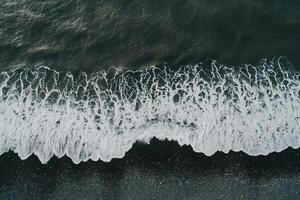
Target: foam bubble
(254,109)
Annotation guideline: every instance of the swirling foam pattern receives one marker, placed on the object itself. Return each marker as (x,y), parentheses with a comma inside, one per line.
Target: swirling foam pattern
(255,109)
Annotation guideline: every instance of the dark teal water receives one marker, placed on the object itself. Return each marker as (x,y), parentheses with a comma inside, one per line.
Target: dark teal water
(92,35)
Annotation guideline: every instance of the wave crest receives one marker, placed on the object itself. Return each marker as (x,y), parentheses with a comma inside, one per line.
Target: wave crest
(211,107)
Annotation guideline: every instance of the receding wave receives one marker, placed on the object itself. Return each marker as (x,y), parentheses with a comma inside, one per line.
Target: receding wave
(212,107)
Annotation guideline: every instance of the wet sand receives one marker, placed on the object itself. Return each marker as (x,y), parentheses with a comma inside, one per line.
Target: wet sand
(160,170)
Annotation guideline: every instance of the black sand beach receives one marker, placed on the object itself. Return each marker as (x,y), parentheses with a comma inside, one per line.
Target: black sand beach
(160,170)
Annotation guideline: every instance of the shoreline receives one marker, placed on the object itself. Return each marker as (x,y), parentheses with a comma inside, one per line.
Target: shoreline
(159,168)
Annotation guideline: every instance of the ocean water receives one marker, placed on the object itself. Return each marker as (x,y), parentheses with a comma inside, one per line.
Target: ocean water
(149,99)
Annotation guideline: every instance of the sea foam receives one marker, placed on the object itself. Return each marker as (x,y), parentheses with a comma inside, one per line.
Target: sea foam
(212,107)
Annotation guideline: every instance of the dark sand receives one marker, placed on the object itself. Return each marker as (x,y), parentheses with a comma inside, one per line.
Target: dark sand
(161,170)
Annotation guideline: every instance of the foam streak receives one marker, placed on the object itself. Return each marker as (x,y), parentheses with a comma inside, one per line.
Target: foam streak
(100,116)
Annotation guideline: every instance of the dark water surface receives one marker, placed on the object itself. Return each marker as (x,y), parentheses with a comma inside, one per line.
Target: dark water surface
(91,35)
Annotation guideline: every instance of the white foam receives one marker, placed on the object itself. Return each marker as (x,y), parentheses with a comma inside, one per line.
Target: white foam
(215,108)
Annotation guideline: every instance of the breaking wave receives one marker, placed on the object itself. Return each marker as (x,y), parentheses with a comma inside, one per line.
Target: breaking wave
(212,107)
